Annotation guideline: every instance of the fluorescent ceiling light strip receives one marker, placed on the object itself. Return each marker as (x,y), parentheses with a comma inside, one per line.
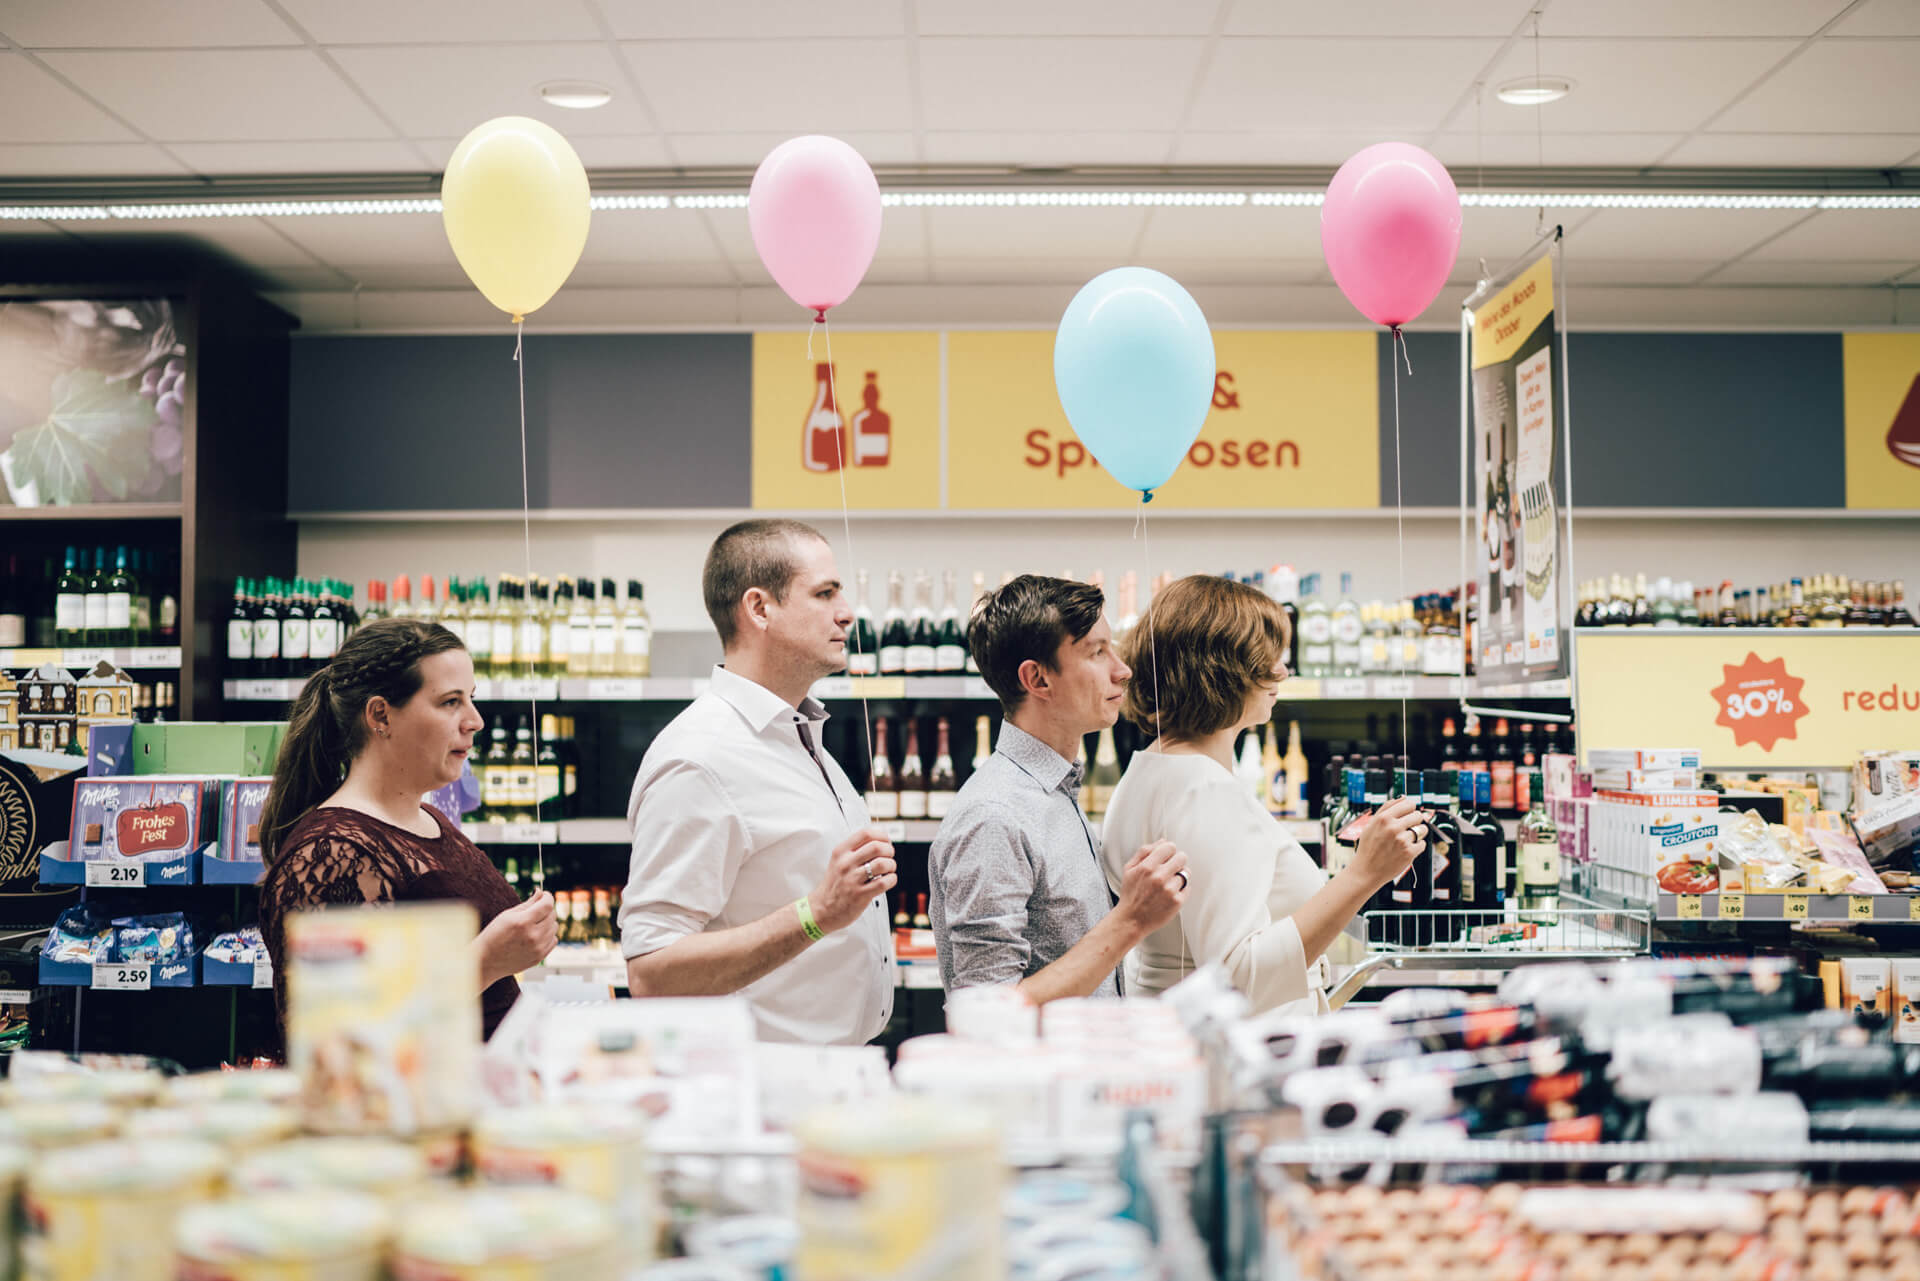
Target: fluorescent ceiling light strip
(979,199)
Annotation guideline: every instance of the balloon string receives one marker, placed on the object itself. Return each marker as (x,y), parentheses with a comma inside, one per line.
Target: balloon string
(1400,518)
(846,521)
(1153,649)
(526,544)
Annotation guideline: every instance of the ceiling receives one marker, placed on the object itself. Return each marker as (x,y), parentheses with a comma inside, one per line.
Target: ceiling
(196,95)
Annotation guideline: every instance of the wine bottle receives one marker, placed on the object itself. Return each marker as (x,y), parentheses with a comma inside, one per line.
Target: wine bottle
(913,776)
(863,643)
(580,630)
(894,635)
(97,632)
(70,604)
(950,643)
(883,792)
(1105,775)
(606,631)
(922,640)
(942,783)
(636,632)
(979,590)
(240,633)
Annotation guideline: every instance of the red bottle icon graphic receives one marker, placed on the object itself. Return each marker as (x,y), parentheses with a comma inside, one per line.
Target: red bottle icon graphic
(1903,438)
(872,428)
(823,442)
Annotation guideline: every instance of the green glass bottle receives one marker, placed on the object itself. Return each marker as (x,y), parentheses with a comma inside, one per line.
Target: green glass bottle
(70,604)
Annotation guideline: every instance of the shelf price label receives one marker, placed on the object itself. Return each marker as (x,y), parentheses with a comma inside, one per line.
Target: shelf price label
(16,996)
(616,691)
(108,977)
(833,687)
(529,834)
(164,657)
(262,974)
(1733,907)
(1913,907)
(260,691)
(84,657)
(1396,687)
(115,875)
(895,831)
(1689,907)
(976,687)
(878,686)
(1794,907)
(1860,907)
(1343,689)
(536,687)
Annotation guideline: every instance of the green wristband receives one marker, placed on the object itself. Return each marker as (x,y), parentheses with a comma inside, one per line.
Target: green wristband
(808,926)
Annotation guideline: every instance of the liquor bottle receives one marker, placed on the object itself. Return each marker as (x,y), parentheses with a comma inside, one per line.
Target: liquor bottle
(427,610)
(1449,746)
(140,598)
(922,641)
(606,631)
(1376,641)
(1105,775)
(569,754)
(1333,789)
(1898,615)
(266,631)
(453,610)
(560,628)
(1443,854)
(979,590)
(883,793)
(1252,773)
(1501,766)
(1539,842)
(563,918)
(1466,852)
(1878,597)
(823,443)
(1642,606)
(863,640)
(1857,614)
(1666,610)
(501,627)
(942,783)
(636,632)
(530,630)
(1412,891)
(1490,849)
(920,918)
(1085,798)
(950,642)
(902,919)
(96,601)
(1379,790)
(323,628)
(1833,610)
(1728,615)
(601,930)
(118,630)
(580,631)
(480,628)
(1272,771)
(548,797)
(1283,584)
(400,604)
(496,778)
(165,576)
(1316,631)
(295,639)
(1526,755)
(1346,631)
(1686,606)
(13,606)
(982,746)
(894,635)
(1473,753)
(872,428)
(510,871)
(1293,767)
(1347,821)
(1412,641)
(524,789)
(240,632)
(913,776)
(376,601)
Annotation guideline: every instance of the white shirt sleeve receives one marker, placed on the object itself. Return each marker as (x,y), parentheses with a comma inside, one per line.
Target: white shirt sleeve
(1230,859)
(689,844)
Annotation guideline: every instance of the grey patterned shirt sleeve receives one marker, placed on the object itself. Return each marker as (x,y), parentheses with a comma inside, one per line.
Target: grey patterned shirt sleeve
(982,877)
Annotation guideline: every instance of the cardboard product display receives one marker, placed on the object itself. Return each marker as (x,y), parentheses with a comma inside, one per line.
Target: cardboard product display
(36,799)
(242,749)
(236,861)
(158,823)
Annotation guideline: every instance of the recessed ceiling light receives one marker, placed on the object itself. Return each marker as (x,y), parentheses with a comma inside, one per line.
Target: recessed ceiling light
(1532,91)
(576,94)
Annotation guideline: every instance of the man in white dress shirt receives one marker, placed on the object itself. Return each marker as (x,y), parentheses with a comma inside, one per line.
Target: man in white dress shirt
(754,870)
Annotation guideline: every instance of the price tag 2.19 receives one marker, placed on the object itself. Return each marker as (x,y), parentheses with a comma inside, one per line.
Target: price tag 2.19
(108,977)
(109,875)
(1794,907)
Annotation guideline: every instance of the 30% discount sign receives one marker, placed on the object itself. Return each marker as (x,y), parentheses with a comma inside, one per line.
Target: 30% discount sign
(1759,701)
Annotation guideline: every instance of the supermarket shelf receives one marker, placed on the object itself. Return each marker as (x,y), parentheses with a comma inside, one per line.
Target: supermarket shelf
(1527,689)
(614,831)
(1348,1152)
(145,658)
(1865,908)
(95,511)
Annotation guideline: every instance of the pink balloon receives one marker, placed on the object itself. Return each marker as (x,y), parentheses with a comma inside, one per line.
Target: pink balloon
(814,209)
(1390,229)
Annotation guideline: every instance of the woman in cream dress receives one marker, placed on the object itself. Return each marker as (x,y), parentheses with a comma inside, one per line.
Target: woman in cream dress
(1208,660)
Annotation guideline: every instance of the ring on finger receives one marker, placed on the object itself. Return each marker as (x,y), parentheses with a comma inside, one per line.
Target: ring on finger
(1183,879)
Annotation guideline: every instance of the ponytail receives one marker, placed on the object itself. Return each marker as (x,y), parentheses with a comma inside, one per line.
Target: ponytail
(328,727)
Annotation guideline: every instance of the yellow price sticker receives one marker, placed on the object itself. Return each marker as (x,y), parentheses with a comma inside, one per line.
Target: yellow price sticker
(1689,907)
(879,686)
(1860,907)
(1795,907)
(1913,907)
(1733,907)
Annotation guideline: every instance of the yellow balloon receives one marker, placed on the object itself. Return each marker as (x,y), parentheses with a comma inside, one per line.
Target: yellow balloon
(515,203)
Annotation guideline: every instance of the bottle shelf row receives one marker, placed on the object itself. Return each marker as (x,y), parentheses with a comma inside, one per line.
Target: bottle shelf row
(1789,906)
(596,689)
(146,658)
(613,831)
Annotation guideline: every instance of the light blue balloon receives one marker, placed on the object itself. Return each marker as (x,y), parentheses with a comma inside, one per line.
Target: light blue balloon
(1133,364)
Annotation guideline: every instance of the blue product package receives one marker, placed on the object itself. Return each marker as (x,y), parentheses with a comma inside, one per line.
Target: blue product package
(82,934)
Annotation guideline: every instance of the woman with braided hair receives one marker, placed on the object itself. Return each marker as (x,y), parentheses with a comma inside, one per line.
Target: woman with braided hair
(388,721)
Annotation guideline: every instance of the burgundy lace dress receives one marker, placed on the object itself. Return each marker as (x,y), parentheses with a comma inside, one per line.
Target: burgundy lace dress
(337,856)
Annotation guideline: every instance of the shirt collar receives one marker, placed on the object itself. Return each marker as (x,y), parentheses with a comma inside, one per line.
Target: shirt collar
(759,706)
(1046,766)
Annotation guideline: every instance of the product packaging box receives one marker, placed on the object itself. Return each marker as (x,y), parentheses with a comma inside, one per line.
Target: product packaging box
(156,823)
(36,805)
(237,859)
(1647,780)
(383,1018)
(110,749)
(1619,758)
(1865,983)
(245,749)
(1564,777)
(1906,999)
(1644,843)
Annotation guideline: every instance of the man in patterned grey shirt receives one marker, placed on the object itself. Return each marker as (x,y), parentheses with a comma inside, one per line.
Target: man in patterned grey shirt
(1019,896)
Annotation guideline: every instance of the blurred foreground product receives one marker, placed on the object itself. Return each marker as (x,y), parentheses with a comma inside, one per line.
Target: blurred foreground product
(383,1018)
(600,1151)
(508,1234)
(105,1212)
(286,1236)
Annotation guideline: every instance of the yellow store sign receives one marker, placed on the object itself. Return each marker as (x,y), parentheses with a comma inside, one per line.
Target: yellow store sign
(1882,374)
(1295,423)
(1750,699)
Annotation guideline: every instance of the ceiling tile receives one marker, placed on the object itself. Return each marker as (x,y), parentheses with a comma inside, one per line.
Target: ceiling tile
(1245,232)
(1461,152)
(89,160)
(613,151)
(1195,272)
(1048,84)
(1797,150)
(1269,149)
(1585,272)
(417,275)
(444,91)
(752,19)
(1376,86)
(652,275)
(1063,18)
(1377,18)
(1612,78)
(903,234)
(1070,273)
(773,86)
(1678,234)
(369,156)
(370,240)
(1836,86)
(142,24)
(1848,235)
(651,236)
(1881,18)
(1501,235)
(191,95)
(246,240)
(318,279)
(36,107)
(1758,271)
(1047,150)
(1719,18)
(441,21)
(747,150)
(1034,233)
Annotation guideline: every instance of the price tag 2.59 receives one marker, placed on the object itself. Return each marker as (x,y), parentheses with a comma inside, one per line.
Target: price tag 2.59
(1794,907)
(108,977)
(108,875)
